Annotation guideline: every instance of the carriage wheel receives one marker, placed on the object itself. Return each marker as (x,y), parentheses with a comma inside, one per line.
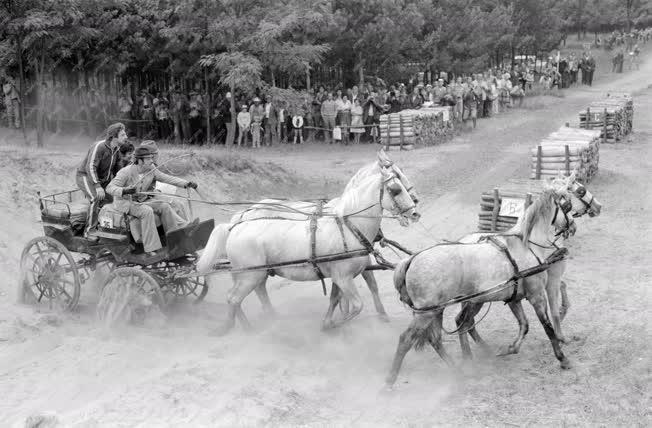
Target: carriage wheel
(195,288)
(129,295)
(49,274)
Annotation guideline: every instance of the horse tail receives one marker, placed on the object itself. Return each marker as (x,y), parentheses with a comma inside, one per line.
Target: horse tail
(215,248)
(399,280)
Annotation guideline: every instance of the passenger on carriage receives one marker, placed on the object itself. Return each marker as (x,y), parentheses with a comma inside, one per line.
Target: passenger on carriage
(96,171)
(178,206)
(137,178)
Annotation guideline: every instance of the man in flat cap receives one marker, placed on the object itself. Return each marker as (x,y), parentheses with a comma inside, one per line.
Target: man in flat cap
(138,177)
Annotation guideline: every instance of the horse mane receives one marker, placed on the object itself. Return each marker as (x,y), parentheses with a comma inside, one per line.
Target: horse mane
(539,209)
(351,196)
(363,172)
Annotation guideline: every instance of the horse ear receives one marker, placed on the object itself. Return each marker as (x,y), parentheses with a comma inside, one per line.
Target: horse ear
(572,178)
(383,159)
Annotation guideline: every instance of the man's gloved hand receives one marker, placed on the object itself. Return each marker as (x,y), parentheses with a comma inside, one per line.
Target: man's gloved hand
(100,193)
(192,185)
(128,191)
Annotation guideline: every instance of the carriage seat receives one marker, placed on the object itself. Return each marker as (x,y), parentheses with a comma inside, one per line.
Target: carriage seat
(114,221)
(68,210)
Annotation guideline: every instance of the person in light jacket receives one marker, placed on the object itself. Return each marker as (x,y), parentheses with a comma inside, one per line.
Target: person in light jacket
(138,177)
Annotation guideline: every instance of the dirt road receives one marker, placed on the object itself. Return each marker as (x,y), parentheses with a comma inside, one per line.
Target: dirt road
(287,372)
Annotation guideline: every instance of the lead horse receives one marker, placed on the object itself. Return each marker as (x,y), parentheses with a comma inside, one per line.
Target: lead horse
(431,279)
(583,203)
(343,225)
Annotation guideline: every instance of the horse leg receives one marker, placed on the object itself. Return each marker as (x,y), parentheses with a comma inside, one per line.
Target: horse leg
(413,335)
(335,298)
(464,321)
(565,302)
(523,327)
(435,336)
(370,279)
(263,296)
(350,293)
(538,301)
(552,290)
(344,304)
(244,284)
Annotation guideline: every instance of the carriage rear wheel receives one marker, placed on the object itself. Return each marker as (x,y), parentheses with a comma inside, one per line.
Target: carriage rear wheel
(49,274)
(129,295)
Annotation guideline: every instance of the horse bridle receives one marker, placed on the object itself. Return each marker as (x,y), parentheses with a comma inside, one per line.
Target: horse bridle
(581,192)
(384,182)
(564,206)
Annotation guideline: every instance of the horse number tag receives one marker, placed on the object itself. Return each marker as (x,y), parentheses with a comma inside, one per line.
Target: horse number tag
(512,207)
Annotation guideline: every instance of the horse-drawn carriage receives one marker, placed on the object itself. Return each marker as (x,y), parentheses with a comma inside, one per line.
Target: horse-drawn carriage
(55,266)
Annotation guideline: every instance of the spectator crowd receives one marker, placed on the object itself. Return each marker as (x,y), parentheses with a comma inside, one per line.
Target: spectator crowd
(332,113)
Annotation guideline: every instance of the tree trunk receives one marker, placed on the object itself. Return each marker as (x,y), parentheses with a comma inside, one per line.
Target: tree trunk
(273,77)
(21,88)
(40,72)
(209,102)
(308,77)
(360,71)
(229,141)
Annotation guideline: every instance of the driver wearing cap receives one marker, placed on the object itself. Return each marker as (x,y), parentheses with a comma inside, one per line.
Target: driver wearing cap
(138,177)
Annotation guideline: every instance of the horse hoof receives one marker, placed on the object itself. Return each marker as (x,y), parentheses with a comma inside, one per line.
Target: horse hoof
(562,339)
(387,389)
(383,317)
(566,364)
(509,350)
(221,330)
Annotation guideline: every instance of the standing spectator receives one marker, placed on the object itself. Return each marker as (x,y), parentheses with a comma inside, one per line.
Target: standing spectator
(12,103)
(439,91)
(357,127)
(328,114)
(226,117)
(271,122)
(471,105)
(590,68)
(371,116)
(345,118)
(458,91)
(257,112)
(195,118)
(504,86)
(145,114)
(297,125)
(244,124)
(125,104)
(416,100)
(162,118)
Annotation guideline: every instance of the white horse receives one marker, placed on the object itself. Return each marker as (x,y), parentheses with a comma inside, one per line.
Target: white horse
(435,276)
(265,241)
(583,202)
(297,210)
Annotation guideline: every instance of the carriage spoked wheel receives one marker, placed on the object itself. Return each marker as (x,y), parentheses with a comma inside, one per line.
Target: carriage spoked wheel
(49,275)
(129,295)
(193,288)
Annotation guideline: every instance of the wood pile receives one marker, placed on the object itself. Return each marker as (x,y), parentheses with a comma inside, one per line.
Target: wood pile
(566,151)
(406,128)
(613,116)
(501,207)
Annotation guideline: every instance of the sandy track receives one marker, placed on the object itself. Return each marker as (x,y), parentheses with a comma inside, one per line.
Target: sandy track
(286,372)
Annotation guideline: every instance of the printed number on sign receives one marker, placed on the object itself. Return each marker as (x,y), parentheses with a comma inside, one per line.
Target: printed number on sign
(597,117)
(106,222)
(512,207)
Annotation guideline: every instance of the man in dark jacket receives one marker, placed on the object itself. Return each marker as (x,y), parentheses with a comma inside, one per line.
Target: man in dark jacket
(97,169)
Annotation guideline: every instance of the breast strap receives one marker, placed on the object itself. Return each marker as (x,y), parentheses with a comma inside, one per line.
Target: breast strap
(501,246)
(314,217)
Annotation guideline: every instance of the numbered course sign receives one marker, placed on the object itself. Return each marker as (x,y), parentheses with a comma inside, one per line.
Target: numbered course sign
(512,207)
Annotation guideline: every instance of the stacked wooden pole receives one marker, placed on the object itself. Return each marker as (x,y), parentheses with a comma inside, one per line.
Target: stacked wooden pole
(567,151)
(613,116)
(404,129)
(501,207)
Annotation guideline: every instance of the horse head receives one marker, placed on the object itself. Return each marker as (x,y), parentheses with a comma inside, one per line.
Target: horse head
(583,201)
(396,198)
(552,208)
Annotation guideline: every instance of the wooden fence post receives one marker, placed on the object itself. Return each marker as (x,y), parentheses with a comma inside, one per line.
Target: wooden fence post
(496,209)
(539,160)
(604,126)
(567,156)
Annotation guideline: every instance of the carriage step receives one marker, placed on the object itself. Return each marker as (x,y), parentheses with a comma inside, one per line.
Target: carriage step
(106,235)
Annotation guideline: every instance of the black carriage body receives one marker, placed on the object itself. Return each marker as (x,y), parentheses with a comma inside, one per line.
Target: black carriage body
(61,215)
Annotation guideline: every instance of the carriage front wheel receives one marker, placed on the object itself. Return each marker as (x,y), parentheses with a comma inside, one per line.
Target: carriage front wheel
(49,275)
(129,295)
